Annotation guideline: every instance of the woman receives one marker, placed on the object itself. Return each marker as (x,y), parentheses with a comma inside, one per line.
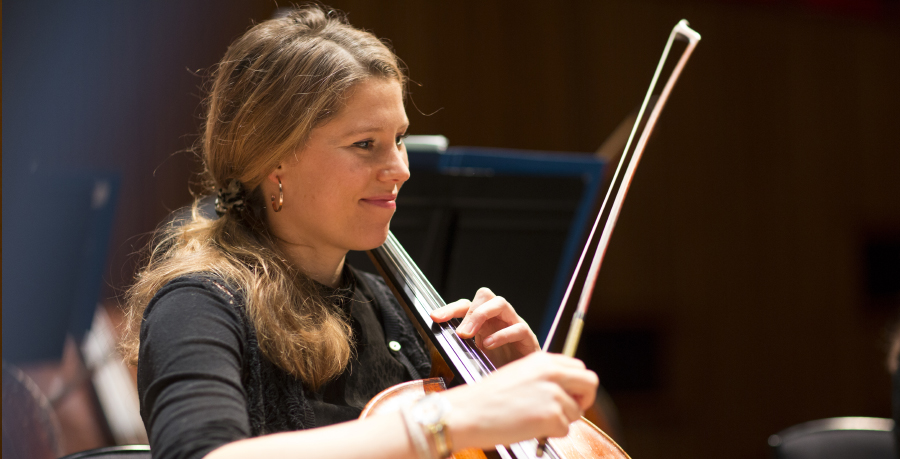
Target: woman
(251,335)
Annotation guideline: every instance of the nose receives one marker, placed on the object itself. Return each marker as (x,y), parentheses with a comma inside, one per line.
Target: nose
(396,166)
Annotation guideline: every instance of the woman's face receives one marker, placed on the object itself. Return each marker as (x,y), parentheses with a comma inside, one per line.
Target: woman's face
(340,188)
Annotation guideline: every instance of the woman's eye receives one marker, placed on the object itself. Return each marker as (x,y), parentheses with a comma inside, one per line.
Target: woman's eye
(400,138)
(365,144)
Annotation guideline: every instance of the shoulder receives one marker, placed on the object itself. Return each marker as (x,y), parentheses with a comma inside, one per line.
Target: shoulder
(192,317)
(212,283)
(195,301)
(196,285)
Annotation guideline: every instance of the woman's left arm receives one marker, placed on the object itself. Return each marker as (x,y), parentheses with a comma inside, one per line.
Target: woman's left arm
(494,324)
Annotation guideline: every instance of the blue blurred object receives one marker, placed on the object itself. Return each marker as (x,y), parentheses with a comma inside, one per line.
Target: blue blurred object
(525,170)
(56,228)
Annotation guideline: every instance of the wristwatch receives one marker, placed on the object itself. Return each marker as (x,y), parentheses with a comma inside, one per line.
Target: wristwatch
(430,412)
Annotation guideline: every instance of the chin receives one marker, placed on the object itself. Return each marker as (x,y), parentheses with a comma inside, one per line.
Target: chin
(372,239)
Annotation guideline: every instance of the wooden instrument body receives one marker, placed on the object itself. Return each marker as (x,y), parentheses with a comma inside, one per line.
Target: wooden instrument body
(584,440)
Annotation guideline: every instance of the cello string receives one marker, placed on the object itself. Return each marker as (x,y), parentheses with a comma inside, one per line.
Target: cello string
(448,329)
(416,281)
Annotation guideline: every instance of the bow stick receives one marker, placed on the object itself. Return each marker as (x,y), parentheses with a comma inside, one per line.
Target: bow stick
(620,185)
(682,32)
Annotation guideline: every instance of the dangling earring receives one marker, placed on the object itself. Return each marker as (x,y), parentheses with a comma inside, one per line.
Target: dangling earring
(277,207)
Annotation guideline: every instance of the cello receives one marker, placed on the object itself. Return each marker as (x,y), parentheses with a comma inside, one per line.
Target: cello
(465,362)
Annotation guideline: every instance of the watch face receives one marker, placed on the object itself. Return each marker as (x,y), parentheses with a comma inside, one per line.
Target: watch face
(430,409)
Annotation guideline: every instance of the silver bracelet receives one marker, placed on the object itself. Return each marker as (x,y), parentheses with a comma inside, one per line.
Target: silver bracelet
(417,436)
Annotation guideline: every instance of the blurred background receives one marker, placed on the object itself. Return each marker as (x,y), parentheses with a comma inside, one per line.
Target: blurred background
(753,281)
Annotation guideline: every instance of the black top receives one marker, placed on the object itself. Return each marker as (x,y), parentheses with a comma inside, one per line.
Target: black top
(203,381)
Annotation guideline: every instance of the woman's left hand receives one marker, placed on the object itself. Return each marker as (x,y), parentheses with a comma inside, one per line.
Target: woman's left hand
(494,324)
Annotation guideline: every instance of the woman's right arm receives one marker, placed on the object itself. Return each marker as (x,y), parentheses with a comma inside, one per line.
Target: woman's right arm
(536,396)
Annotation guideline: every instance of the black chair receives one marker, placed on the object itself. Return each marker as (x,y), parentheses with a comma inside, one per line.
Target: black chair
(114,452)
(836,438)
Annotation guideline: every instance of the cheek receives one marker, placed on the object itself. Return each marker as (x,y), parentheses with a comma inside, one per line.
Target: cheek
(334,186)
(313,193)
(330,185)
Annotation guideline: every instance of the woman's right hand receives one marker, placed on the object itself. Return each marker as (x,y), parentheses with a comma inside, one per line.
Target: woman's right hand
(536,396)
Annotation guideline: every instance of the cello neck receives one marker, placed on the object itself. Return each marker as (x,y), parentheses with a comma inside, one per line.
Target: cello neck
(419,298)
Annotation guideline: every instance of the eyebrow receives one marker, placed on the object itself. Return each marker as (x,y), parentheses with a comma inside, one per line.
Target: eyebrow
(365,130)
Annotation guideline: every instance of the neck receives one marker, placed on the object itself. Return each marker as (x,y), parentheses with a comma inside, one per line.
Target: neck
(323,266)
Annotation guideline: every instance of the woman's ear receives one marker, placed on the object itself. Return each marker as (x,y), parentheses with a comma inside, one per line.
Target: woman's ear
(273,176)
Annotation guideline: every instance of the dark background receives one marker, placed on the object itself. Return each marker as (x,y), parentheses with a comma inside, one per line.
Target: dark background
(752,264)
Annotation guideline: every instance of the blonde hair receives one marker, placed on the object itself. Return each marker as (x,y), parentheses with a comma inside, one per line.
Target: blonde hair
(276,83)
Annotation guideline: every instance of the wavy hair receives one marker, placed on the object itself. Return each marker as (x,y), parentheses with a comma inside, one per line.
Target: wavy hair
(274,85)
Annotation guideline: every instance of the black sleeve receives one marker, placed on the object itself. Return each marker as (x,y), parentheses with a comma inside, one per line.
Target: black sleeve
(189,371)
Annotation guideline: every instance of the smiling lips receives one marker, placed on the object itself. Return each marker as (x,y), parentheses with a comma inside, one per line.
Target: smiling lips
(387,201)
